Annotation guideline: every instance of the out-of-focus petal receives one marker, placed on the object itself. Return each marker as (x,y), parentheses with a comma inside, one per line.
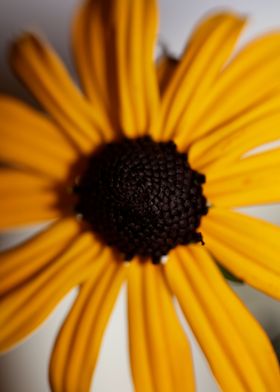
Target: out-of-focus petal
(27,305)
(40,69)
(206,54)
(204,298)
(248,247)
(78,343)
(160,355)
(230,100)
(114,47)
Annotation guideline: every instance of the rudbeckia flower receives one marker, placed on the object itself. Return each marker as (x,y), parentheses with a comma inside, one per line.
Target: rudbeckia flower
(139,176)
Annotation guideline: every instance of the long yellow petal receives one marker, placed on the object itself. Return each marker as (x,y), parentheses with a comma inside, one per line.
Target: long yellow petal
(138,344)
(27,198)
(30,156)
(160,356)
(23,209)
(248,247)
(259,195)
(78,344)
(27,259)
(248,181)
(91,50)
(258,126)
(171,361)
(114,46)
(138,96)
(203,60)
(254,188)
(218,332)
(22,217)
(31,141)
(16,185)
(179,353)
(250,330)
(160,366)
(14,181)
(26,307)
(267,160)
(255,68)
(41,70)
(24,120)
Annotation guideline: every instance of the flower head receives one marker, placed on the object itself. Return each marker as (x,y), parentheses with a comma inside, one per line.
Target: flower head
(149,162)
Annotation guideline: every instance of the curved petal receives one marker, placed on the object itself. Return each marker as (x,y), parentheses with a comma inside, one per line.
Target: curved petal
(27,198)
(93,57)
(30,141)
(248,247)
(39,68)
(160,356)
(24,120)
(139,351)
(251,180)
(264,160)
(26,260)
(27,305)
(13,181)
(229,142)
(254,69)
(29,156)
(19,209)
(78,344)
(225,336)
(17,183)
(114,45)
(256,187)
(206,54)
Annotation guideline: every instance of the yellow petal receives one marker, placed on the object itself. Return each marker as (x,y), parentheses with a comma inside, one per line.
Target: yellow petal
(119,69)
(202,61)
(219,332)
(20,209)
(13,181)
(21,216)
(28,198)
(27,259)
(248,247)
(268,160)
(254,69)
(31,141)
(78,343)
(16,184)
(179,353)
(91,54)
(255,337)
(135,40)
(26,307)
(160,356)
(230,141)
(29,156)
(255,188)
(40,69)
(24,120)
(138,344)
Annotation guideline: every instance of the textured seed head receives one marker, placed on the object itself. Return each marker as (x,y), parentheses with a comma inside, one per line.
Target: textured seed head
(142,197)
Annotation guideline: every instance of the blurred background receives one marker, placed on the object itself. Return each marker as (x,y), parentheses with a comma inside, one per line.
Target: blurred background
(25,368)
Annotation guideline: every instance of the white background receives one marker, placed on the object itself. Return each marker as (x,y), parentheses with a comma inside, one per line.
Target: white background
(24,369)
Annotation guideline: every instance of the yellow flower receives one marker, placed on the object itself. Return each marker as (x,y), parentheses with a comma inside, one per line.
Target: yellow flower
(102,165)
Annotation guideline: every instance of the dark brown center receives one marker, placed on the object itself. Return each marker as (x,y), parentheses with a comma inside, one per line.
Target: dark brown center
(142,197)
